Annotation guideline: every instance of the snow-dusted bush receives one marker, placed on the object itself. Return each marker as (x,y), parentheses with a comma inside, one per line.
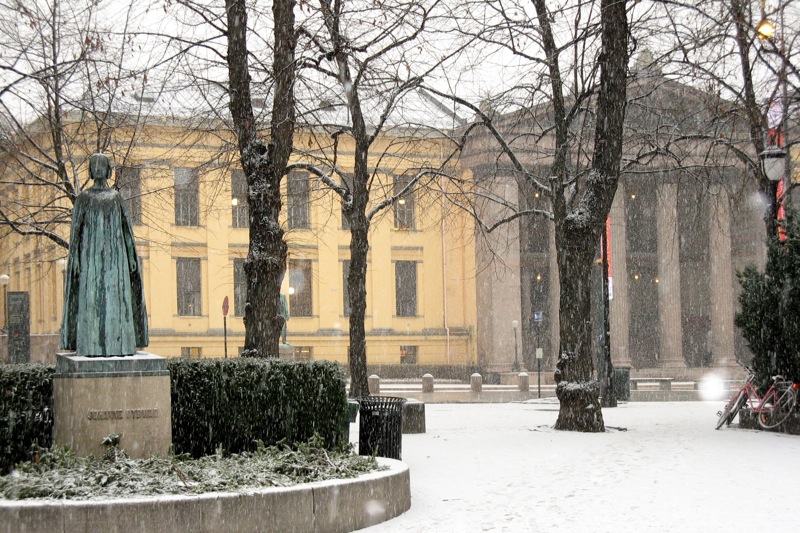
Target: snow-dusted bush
(233,404)
(26,412)
(770,308)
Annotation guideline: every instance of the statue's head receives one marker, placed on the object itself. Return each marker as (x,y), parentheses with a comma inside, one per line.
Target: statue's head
(99,167)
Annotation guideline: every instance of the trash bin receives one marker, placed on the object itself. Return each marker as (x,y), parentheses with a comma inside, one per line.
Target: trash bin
(622,383)
(380,430)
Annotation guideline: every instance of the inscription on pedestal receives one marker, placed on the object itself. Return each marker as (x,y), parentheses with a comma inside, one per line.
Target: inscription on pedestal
(119,414)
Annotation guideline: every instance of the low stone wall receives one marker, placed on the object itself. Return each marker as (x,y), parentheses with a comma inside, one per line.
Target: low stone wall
(747,420)
(338,506)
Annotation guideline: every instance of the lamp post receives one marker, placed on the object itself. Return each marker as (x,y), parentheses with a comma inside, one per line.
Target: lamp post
(514,325)
(4,279)
(775,163)
(225,307)
(607,367)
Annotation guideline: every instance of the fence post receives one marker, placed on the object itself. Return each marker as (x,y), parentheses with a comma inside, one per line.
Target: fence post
(374,384)
(427,383)
(524,382)
(476,382)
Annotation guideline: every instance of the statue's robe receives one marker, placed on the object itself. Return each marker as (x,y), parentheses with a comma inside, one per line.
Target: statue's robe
(104,309)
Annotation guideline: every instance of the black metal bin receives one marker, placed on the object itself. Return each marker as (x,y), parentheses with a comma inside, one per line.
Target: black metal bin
(380,431)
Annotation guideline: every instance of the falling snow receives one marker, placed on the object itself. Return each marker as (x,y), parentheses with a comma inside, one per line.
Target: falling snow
(659,467)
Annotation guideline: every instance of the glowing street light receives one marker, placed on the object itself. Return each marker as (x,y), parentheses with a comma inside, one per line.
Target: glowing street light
(765,29)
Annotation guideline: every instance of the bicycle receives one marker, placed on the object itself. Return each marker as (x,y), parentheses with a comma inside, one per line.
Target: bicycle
(772,409)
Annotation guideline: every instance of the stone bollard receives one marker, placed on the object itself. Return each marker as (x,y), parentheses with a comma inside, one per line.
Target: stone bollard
(476,382)
(374,384)
(427,383)
(524,382)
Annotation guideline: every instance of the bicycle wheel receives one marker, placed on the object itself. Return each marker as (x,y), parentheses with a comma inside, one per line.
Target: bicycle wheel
(775,415)
(736,402)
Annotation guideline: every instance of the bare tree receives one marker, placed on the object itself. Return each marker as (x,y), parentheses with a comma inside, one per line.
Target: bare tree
(67,85)
(264,165)
(717,45)
(371,51)
(588,68)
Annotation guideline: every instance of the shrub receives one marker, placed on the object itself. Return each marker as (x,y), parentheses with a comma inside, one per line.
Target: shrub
(26,412)
(770,308)
(235,404)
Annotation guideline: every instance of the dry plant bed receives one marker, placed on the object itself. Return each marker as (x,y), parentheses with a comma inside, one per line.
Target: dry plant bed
(59,474)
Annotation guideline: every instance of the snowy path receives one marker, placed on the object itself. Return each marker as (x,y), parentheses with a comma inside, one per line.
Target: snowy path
(501,468)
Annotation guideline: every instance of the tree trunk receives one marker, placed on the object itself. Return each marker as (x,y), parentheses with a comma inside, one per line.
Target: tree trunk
(578,233)
(357,289)
(577,391)
(357,278)
(264,167)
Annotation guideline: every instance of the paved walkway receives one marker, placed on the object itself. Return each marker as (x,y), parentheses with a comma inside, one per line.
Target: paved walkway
(659,467)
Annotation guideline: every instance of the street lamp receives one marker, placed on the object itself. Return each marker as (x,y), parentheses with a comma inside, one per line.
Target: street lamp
(4,279)
(773,161)
(514,325)
(765,29)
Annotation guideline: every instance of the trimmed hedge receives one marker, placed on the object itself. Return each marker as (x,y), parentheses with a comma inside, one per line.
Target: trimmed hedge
(235,403)
(225,403)
(26,412)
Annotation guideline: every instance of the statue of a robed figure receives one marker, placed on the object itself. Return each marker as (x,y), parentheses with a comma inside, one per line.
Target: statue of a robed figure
(104,308)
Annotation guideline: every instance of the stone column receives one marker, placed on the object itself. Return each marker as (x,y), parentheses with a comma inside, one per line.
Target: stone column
(669,274)
(722,308)
(620,309)
(498,285)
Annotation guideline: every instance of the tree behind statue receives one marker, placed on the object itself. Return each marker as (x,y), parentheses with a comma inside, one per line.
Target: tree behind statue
(770,307)
(104,308)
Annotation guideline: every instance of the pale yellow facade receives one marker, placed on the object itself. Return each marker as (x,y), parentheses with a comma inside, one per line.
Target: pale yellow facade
(440,243)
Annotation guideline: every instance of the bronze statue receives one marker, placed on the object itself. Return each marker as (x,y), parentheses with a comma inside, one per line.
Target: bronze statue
(104,309)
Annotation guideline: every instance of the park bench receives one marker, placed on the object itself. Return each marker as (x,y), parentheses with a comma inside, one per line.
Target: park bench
(663,383)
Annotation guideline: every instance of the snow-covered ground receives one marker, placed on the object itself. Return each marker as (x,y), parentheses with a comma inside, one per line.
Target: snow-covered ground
(658,467)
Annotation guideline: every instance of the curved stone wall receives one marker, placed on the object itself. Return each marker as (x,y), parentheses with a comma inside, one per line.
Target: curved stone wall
(338,506)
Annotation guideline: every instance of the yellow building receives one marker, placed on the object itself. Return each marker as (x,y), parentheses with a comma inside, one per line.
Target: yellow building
(188,206)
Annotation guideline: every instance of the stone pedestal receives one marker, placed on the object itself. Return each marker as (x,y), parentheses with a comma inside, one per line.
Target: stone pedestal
(286,352)
(94,397)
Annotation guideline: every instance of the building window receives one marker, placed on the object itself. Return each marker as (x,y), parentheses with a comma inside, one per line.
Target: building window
(345,287)
(192,352)
(405,280)
(129,184)
(404,207)
(298,200)
(408,355)
(300,287)
(239,207)
(188,273)
(187,197)
(239,287)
